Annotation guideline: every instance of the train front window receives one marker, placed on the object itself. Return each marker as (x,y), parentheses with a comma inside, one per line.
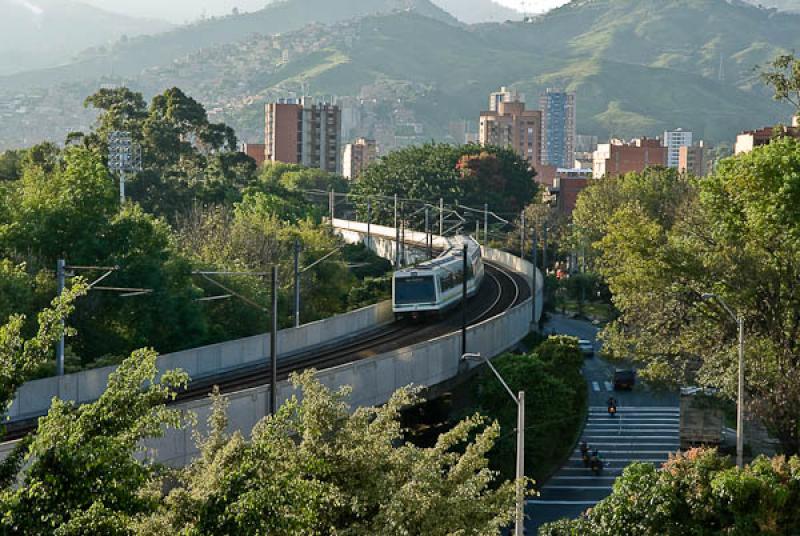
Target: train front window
(414,290)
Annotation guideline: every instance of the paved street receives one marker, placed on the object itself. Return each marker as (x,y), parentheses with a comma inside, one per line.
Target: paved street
(645,429)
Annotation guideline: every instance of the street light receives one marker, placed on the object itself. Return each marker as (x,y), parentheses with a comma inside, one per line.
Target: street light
(519,400)
(739,319)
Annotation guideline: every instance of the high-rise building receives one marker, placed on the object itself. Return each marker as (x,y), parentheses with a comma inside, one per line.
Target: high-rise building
(558,128)
(511,125)
(357,156)
(504,95)
(619,157)
(298,131)
(692,160)
(673,141)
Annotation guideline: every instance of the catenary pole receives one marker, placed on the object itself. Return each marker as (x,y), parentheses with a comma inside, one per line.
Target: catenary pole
(273,345)
(464,301)
(296,283)
(61,283)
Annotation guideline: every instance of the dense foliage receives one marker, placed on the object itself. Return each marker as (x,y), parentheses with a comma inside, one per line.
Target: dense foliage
(736,234)
(470,174)
(698,492)
(197,204)
(555,404)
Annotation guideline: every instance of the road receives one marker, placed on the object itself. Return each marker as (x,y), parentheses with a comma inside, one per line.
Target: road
(646,429)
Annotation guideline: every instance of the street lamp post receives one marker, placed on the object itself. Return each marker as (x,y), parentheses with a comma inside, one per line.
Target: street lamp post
(519,400)
(739,319)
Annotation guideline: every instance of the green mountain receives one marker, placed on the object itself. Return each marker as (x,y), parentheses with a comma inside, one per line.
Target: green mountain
(130,57)
(475,11)
(638,67)
(41,33)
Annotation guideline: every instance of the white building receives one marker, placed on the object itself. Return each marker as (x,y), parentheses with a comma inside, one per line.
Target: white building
(504,95)
(673,141)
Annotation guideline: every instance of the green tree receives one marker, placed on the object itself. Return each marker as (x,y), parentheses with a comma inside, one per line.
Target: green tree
(81,473)
(739,237)
(698,492)
(318,468)
(555,400)
(783,75)
(471,174)
(19,357)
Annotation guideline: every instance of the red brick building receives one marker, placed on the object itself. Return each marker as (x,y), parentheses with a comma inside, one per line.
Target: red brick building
(619,157)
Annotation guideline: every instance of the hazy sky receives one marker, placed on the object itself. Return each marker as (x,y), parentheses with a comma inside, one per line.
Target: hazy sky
(186,10)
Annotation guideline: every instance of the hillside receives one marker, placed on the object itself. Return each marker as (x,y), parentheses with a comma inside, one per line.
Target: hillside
(42,33)
(474,11)
(405,78)
(130,57)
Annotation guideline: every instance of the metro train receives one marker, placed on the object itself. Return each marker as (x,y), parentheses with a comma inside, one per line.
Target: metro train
(431,288)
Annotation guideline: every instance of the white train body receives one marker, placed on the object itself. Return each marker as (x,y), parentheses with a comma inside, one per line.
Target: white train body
(431,288)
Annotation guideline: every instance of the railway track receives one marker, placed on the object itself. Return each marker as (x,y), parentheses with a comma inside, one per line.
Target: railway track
(502,289)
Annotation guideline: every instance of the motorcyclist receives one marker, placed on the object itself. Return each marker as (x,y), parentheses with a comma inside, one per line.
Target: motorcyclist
(595,463)
(612,406)
(585,453)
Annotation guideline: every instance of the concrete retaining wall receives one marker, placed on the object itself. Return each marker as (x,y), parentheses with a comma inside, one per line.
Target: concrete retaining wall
(33,398)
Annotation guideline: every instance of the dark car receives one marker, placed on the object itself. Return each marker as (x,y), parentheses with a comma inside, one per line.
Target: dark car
(624,379)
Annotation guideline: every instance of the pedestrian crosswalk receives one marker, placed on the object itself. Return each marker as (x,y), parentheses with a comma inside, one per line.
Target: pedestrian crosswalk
(646,434)
(600,386)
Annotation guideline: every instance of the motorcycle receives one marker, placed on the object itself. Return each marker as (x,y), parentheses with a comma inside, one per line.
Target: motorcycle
(586,459)
(612,411)
(596,465)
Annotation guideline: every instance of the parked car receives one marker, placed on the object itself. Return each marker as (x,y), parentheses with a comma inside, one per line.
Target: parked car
(624,379)
(587,347)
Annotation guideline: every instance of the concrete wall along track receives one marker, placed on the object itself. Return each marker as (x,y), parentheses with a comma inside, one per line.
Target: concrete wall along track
(373,380)
(33,398)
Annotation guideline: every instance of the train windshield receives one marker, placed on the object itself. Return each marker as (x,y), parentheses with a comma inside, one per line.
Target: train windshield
(414,290)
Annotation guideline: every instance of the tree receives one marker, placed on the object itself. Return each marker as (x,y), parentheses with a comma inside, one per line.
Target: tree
(20,357)
(317,468)
(737,235)
(555,400)
(698,492)
(81,474)
(783,75)
(471,174)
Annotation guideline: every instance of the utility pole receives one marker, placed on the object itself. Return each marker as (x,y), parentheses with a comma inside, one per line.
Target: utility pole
(296,283)
(486,223)
(464,302)
(331,204)
(441,216)
(369,221)
(428,235)
(397,236)
(273,345)
(740,397)
(519,527)
(544,249)
(61,277)
(402,234)
(522,235)
(534,251)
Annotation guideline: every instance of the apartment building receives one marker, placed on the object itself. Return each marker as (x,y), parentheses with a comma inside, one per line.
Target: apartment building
(619,157)
(511,125)
(357,156)
(300,131)
(558,128)
(673,141)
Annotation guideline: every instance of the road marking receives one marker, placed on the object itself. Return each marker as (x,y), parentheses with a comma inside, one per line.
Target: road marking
(609,387)
(534,501)
(629,437)
(671,409)
(596,387)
